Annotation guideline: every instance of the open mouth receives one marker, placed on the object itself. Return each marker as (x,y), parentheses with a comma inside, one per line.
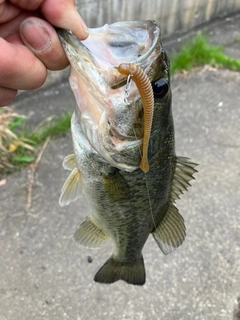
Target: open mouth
(112,124)
(135,42)
(107,47)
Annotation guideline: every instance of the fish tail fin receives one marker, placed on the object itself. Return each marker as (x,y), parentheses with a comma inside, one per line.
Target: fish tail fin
(114,270)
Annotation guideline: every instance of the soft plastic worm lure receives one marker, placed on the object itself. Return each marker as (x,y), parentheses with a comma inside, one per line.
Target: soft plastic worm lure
(145,89)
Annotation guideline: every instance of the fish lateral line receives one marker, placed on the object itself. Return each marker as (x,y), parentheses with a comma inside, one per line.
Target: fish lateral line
(144,86)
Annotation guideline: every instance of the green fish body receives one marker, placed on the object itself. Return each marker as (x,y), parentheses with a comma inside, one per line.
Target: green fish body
(125,203)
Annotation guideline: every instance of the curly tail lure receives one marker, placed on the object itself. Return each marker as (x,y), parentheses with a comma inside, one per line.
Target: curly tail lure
(145,89)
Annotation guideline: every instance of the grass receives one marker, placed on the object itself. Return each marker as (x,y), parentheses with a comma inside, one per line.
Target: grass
(18,145)
(59,125)
(198,52)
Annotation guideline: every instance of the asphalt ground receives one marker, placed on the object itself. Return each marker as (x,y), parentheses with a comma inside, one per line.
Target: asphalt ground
(45,275)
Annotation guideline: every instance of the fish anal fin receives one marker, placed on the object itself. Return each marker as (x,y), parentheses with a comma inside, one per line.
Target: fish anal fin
(114,270)
(69,162)
(170,232)
(89,235)
(184,171)
(116,187)
(72,188)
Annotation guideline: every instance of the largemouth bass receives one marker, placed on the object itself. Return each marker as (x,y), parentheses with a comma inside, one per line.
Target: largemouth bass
(123,138)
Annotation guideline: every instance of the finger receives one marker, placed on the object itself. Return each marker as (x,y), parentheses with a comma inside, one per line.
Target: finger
(12,26)
(41,38)
(8,11)
(26,4)
(19,68)
(60,13)
(63,14)
(6,96)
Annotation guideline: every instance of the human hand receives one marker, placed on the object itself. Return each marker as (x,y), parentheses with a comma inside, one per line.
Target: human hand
(29,44)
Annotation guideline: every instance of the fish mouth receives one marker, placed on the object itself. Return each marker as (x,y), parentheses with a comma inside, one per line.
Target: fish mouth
(110,118)
(122,42)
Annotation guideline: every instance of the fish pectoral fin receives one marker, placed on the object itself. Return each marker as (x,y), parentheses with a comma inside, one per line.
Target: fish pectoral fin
(89,235)
(72,188)
(114,270)
(170,233)
(183,174)
(69,162)
(116,187)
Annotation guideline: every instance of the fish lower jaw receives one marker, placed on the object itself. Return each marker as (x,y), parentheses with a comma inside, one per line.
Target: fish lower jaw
(120,146)
(109,158)
(125,167)
(124,155)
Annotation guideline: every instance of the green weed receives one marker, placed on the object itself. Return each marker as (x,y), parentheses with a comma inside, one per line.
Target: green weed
(57,126)
(199,52)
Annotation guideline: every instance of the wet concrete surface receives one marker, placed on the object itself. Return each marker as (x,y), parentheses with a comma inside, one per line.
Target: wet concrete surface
(45,275)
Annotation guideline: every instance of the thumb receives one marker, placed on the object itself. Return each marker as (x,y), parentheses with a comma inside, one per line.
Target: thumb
(41,38)
(63,14)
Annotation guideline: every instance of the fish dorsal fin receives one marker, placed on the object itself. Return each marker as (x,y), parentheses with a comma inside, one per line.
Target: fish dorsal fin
(184,171)
(69,163)
(170,233)
(72,188)
(89,235)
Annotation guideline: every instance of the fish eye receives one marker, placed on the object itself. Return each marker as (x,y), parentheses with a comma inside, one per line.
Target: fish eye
(160,88)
